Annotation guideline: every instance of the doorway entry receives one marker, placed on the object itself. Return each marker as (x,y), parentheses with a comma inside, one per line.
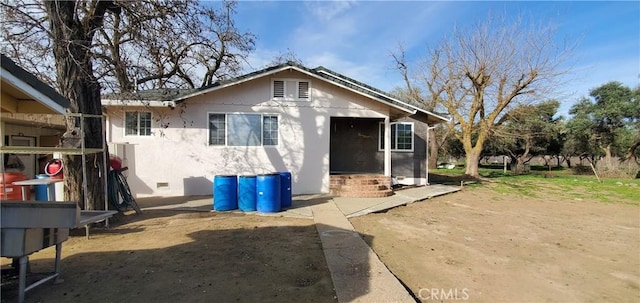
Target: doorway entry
(29,161)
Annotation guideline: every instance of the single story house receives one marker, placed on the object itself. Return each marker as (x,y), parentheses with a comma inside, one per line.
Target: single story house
(31,113)
(314,123)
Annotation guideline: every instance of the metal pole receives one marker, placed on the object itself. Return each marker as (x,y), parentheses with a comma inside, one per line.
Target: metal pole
(22,280)
(105,169)
(427,152)
(427,160)
(387,147)
(4,181)
(84,162)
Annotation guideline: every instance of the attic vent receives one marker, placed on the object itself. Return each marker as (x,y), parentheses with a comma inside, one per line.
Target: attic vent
(162,185)
(278,89)
(303,90)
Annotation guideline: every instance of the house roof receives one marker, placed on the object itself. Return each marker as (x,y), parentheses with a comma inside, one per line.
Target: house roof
(321,73)
(378,92)
(27,88)
(151,97)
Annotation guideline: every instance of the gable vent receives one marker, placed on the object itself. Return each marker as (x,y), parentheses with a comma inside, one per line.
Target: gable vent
(278,89)
(303,90)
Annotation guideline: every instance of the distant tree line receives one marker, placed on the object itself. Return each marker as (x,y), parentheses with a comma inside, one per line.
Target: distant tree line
(603,128)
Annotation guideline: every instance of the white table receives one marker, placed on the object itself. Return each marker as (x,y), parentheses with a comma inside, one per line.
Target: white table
(49,182)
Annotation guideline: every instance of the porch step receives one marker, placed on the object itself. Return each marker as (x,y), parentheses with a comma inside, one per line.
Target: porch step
(360,186)
(363,194)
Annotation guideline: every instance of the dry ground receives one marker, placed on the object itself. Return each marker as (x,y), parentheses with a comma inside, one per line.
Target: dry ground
(477,245)
(170,256)
(483,246)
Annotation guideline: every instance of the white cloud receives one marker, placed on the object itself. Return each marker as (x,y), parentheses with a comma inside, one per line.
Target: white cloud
(356,39)
(328,10)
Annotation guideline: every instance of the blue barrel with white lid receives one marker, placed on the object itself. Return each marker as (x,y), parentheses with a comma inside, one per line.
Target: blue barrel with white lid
(268,193)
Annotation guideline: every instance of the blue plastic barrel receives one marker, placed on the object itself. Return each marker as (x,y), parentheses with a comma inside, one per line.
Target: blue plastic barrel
(285,189)
(225,193)
(268,191)
(42,189)
(247,193)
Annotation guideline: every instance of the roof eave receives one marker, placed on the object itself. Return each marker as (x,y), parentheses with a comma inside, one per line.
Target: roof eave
(415,108)
(284,68)
(137,103)
(225,85)
(33,92)
(438,117)
(358,92)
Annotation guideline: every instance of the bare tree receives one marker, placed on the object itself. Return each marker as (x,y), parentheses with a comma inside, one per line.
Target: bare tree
(87,46)
(72,27)
(479,74)
(414,94)
(173,44)
(284,57)
(145,45)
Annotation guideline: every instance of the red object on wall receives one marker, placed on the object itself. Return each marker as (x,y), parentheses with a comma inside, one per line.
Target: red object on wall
(54,169)
(13,192)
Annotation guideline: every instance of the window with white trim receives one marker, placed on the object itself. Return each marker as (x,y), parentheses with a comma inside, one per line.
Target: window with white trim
(243,129)
(401,136)
(293,90)
(137,123)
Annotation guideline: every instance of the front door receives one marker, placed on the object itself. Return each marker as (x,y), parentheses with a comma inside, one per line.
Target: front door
(354,146)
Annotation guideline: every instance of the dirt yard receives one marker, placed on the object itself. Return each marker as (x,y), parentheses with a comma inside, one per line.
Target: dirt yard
(482,246)
(172,256)
(477,245)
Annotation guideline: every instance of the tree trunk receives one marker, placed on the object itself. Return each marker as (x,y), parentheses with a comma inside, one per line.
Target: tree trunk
(472,159)
(608,158)
(518,168)
(71,47)
(434,148)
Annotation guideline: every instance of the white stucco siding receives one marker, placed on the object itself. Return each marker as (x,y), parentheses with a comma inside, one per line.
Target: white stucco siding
(177,160)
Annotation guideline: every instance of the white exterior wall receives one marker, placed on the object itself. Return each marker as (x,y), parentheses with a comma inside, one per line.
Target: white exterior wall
(179,155)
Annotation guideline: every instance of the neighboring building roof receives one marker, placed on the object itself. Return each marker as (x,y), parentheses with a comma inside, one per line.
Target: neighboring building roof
(319,73)
(151,97)
(30,85)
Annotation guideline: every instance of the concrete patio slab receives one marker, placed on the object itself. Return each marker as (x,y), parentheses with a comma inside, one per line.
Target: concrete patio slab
(182,203)
(300,206)
(354,207)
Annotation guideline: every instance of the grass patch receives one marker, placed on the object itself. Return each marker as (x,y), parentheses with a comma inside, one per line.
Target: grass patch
(558,182)
(519,188)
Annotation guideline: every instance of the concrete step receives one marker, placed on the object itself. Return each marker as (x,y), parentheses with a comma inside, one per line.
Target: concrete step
(360,185)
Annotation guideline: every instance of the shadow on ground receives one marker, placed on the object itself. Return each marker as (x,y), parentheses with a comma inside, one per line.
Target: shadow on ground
(168,256)
(455,180)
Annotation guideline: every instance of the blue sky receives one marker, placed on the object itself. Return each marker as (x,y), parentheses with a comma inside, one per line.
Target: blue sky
(356,38)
